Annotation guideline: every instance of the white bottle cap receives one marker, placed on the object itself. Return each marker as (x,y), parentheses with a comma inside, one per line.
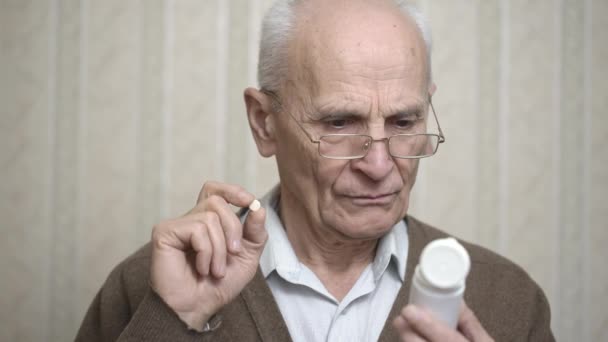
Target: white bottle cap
(444,263)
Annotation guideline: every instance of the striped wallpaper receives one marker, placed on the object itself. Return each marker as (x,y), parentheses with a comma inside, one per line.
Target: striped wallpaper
(114,113)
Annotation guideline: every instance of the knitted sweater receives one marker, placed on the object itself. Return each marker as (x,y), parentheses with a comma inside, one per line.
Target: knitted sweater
(508,303)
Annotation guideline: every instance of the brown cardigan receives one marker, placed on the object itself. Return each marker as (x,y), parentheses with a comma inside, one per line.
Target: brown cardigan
(509,304)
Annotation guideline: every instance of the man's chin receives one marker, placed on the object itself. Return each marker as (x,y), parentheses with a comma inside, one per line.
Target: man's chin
(366,225)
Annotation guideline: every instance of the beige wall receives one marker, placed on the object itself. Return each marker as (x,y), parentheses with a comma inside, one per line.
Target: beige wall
(113,114)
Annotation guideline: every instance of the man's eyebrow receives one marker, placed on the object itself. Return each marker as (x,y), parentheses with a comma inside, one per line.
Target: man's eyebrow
(338,114)
(416,109)
(336,111)
(342,110)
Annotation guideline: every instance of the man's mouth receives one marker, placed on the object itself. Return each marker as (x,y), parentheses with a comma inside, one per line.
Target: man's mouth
(372,199)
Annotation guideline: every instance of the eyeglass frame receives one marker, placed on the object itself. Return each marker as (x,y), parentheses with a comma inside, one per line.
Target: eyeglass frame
(371,139)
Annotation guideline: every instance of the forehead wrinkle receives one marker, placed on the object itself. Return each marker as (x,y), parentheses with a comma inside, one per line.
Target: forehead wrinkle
(343,103)
(378,63)
(339,109)
(360,80)
(358,52)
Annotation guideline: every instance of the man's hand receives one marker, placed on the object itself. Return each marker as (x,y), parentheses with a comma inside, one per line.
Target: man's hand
(204,259)
(415,324)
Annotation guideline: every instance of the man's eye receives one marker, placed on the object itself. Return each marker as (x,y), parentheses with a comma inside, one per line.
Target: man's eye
(339,123)
(404,123)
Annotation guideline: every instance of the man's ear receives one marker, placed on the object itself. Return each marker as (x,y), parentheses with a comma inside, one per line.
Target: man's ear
(261,121)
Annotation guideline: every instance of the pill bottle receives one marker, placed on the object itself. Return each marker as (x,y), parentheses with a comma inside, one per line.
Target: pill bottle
(439,279)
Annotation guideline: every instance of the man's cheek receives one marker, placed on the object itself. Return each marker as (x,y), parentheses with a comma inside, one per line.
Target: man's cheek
(408,168)
(328,170)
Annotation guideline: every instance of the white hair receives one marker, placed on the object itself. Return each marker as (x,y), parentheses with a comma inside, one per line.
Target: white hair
(276,30)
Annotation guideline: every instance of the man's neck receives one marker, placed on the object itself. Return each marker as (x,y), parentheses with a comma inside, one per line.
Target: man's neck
(336,260)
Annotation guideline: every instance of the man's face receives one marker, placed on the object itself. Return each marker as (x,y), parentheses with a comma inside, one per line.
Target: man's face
(358,74)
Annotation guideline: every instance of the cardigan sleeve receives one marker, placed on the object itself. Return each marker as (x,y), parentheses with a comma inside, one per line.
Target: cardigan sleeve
(127,309)
(541,319)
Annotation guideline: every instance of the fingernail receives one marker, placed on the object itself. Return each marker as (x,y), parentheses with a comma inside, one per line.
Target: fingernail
(236,245)
(411,313)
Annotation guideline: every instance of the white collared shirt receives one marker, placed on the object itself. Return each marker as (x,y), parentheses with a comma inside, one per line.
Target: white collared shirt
(309,310)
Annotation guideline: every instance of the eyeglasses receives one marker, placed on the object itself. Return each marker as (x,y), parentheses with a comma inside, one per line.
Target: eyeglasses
(355,146)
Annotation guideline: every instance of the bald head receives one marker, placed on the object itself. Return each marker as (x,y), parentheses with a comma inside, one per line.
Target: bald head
(287,19)
(373,39)
(340,16)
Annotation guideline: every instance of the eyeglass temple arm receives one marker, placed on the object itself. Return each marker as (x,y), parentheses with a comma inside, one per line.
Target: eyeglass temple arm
(441,136)
(275,97)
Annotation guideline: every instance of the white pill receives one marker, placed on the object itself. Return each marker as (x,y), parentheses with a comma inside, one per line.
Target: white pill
(255,205)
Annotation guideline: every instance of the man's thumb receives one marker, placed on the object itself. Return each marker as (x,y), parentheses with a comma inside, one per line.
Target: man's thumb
(253,228)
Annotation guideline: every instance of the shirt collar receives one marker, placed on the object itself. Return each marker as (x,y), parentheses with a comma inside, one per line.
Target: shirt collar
(278,254)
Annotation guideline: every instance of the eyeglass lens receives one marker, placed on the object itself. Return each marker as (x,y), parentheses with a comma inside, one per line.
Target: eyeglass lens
(357,146)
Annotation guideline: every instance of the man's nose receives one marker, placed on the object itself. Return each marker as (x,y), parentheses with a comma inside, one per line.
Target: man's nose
(377,163)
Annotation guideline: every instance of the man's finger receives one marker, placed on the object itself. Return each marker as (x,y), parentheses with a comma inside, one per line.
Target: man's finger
(404,331)
(253,228)
(411,336)
(232,193)
(204,251)
(176,234)
(429,327)
(230,223)
(399,324)
(218,242)
(470,326)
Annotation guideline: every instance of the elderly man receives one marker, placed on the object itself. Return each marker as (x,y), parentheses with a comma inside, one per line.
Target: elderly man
(345,107)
